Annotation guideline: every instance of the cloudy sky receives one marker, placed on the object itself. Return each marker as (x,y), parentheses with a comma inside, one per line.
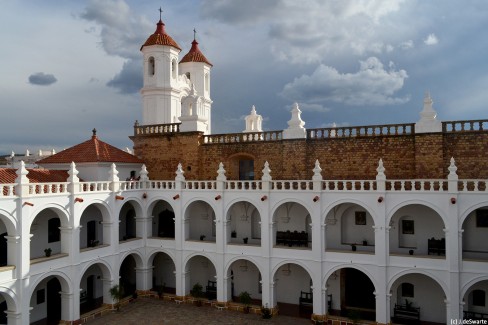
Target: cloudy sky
(69,66)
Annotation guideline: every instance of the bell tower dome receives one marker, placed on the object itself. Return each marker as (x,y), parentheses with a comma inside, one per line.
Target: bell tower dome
(160,94)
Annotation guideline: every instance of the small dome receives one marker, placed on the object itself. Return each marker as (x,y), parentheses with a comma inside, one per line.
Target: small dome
(161,38)
(195,55)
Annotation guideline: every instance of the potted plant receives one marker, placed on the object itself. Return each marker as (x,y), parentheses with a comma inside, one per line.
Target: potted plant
(48,252)
(245,299)
(354,315)
(116,293)
(197,293)
(266,312)
(245,239)
(233,234)
(202,237)
(365,242)
(353,247)
(410,252)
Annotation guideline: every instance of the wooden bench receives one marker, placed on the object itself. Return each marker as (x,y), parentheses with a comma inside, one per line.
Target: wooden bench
(306,301)
(409,314)
(211,290)
(436,246)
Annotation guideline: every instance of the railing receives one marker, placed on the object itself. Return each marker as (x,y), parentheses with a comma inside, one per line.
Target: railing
(201,185)
(48,188)
(472,185)
(7,189)
(291,185)
(94,186)
(431,185)
(156,129)
(349,185)
(243,185)
(361,131)
(473,315)
(243,137)
(465,126)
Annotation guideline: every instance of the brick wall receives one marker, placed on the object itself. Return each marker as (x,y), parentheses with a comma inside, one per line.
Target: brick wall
(404,156)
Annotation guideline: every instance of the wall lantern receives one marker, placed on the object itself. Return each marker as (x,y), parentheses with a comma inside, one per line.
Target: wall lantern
(316,198)
(264,198)
(29,204)
(453,200)
(380,199)
(218,197)
(79,199)
(118,197)
(176,197)
(144,195)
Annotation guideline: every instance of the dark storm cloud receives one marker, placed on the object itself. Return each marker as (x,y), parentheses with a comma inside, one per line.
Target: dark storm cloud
(42,79)
(129,79)
(240,12)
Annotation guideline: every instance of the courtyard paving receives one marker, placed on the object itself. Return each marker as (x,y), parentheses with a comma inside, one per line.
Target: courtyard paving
(147,311)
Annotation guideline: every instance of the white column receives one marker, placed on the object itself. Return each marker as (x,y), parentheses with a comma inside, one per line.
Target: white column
(67,306)
(14,318)
(143,278)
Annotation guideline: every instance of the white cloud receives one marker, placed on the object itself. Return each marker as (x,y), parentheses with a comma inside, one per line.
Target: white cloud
(406,45)
(371,85)
(431,39)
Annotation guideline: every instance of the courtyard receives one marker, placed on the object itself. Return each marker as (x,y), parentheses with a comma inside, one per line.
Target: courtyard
(149,311)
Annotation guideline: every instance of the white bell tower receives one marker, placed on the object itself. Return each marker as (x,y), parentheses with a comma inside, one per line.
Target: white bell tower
(196,113)
(160,94)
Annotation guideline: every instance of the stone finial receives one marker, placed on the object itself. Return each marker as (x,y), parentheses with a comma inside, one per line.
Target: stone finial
(53,152)
(221,173)
(39,153)
(295,128)
(143,173)
(317,176)
(266,172)
(428,118)
(113,172)
(12,154)
(333,132)
(22,174)
(179,173)
(253,121)
(27,153)
(452,170)
(73,173)
(380,170)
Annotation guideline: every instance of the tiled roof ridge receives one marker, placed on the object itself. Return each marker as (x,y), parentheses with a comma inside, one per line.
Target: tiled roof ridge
(160,37)
(195,55)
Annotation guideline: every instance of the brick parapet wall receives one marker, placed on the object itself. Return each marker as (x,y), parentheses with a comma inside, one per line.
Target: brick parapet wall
(407,156)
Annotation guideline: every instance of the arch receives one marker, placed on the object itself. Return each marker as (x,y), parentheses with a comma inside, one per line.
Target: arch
(237,258)
(435,208)
(151,204)
(229,204)
(153,254)
(290,261)
(335,203)
(196,199)
(417,271)
(470,210)
(352,266)
(102,206)
(204,254)
(63,278)
(136,204)
(200,215)
(278,205)
(470,283)
(10,297)
(58,209)
(9,222)
(137,258)
(104,267)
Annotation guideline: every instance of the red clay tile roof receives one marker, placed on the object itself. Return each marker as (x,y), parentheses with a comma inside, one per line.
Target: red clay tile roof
(92,150)
(195,55)
(8,175)
(161,38)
